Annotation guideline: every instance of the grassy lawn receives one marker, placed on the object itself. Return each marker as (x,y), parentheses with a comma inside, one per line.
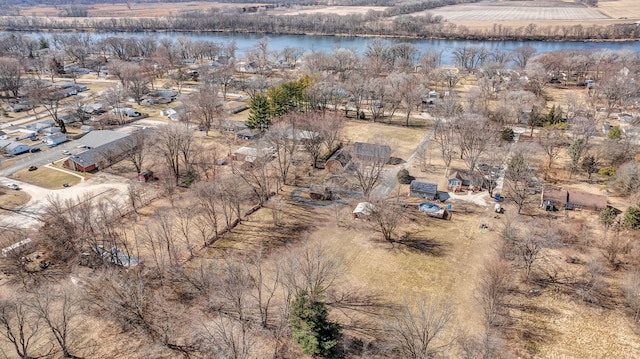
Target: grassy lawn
(10,199)
(403,140)
(47,177)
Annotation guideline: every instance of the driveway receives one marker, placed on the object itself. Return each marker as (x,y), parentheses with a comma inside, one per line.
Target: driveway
(389,176)
(100,186)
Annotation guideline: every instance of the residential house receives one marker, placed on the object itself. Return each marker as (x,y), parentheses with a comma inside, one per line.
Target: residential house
(371,152)
(250,154)
(459,181)
(426,190)
(50,130)
(13,147)
(40,125)
(233,107)
(54,139)
(557,199)
(103,148)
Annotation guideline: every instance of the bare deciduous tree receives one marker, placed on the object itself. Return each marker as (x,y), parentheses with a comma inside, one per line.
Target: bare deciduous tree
(312,268)
(417,330)
(60,310)
(23,329)
(206,105)
(474,134)
(227,338)
(284,137)
(175,145)
(10,76)
(367,167)
(492,289)
(518,178)
(632,292)
(444,137)
(386,214)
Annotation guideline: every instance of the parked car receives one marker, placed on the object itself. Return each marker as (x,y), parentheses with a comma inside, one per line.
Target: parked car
(34,149)
(65,152)
(13,186)
(33,168)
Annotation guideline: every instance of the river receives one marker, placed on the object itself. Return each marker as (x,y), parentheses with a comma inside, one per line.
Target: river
(327,43)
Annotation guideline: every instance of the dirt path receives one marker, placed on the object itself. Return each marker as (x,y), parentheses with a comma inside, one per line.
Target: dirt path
(101,186)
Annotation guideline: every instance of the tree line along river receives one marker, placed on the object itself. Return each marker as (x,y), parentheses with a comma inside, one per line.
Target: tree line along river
(325,43)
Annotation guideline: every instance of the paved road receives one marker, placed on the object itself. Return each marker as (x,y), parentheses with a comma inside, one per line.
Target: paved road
(36,159)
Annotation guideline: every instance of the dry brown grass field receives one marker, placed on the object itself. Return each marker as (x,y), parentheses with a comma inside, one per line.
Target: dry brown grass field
(48,177)
(480,15)
(133,9)
(11,199)
(484,15)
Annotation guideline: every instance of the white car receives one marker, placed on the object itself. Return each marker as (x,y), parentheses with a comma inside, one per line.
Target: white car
(13,186)
(66,152)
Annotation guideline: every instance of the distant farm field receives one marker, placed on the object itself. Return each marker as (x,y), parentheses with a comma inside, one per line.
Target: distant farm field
(336,10)
(518,11)
(133,10)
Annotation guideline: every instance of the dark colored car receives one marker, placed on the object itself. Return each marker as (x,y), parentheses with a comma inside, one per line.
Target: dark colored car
(33,168)
(34,149)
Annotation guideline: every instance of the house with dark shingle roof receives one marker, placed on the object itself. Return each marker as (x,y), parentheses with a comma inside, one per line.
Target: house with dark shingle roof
(371,152)
(103,148)
(421,189)
(559,199)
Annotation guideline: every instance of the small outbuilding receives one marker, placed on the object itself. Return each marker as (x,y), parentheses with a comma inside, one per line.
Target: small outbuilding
(249,134)
(86,128)
(426,190)
(338,161)
(145,176)
(363,210)
(250,154)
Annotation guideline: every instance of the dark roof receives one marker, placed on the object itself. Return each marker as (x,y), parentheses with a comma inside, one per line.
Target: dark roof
(371,150)
(423,187)
(101,143)
(584,199)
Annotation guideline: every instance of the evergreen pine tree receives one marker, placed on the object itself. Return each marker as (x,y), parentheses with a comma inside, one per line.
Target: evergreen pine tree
(310,326)
(259,112)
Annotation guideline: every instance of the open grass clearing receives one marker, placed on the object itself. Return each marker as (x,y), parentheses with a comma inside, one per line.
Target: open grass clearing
(403,140)
(11,199)
(47,177)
